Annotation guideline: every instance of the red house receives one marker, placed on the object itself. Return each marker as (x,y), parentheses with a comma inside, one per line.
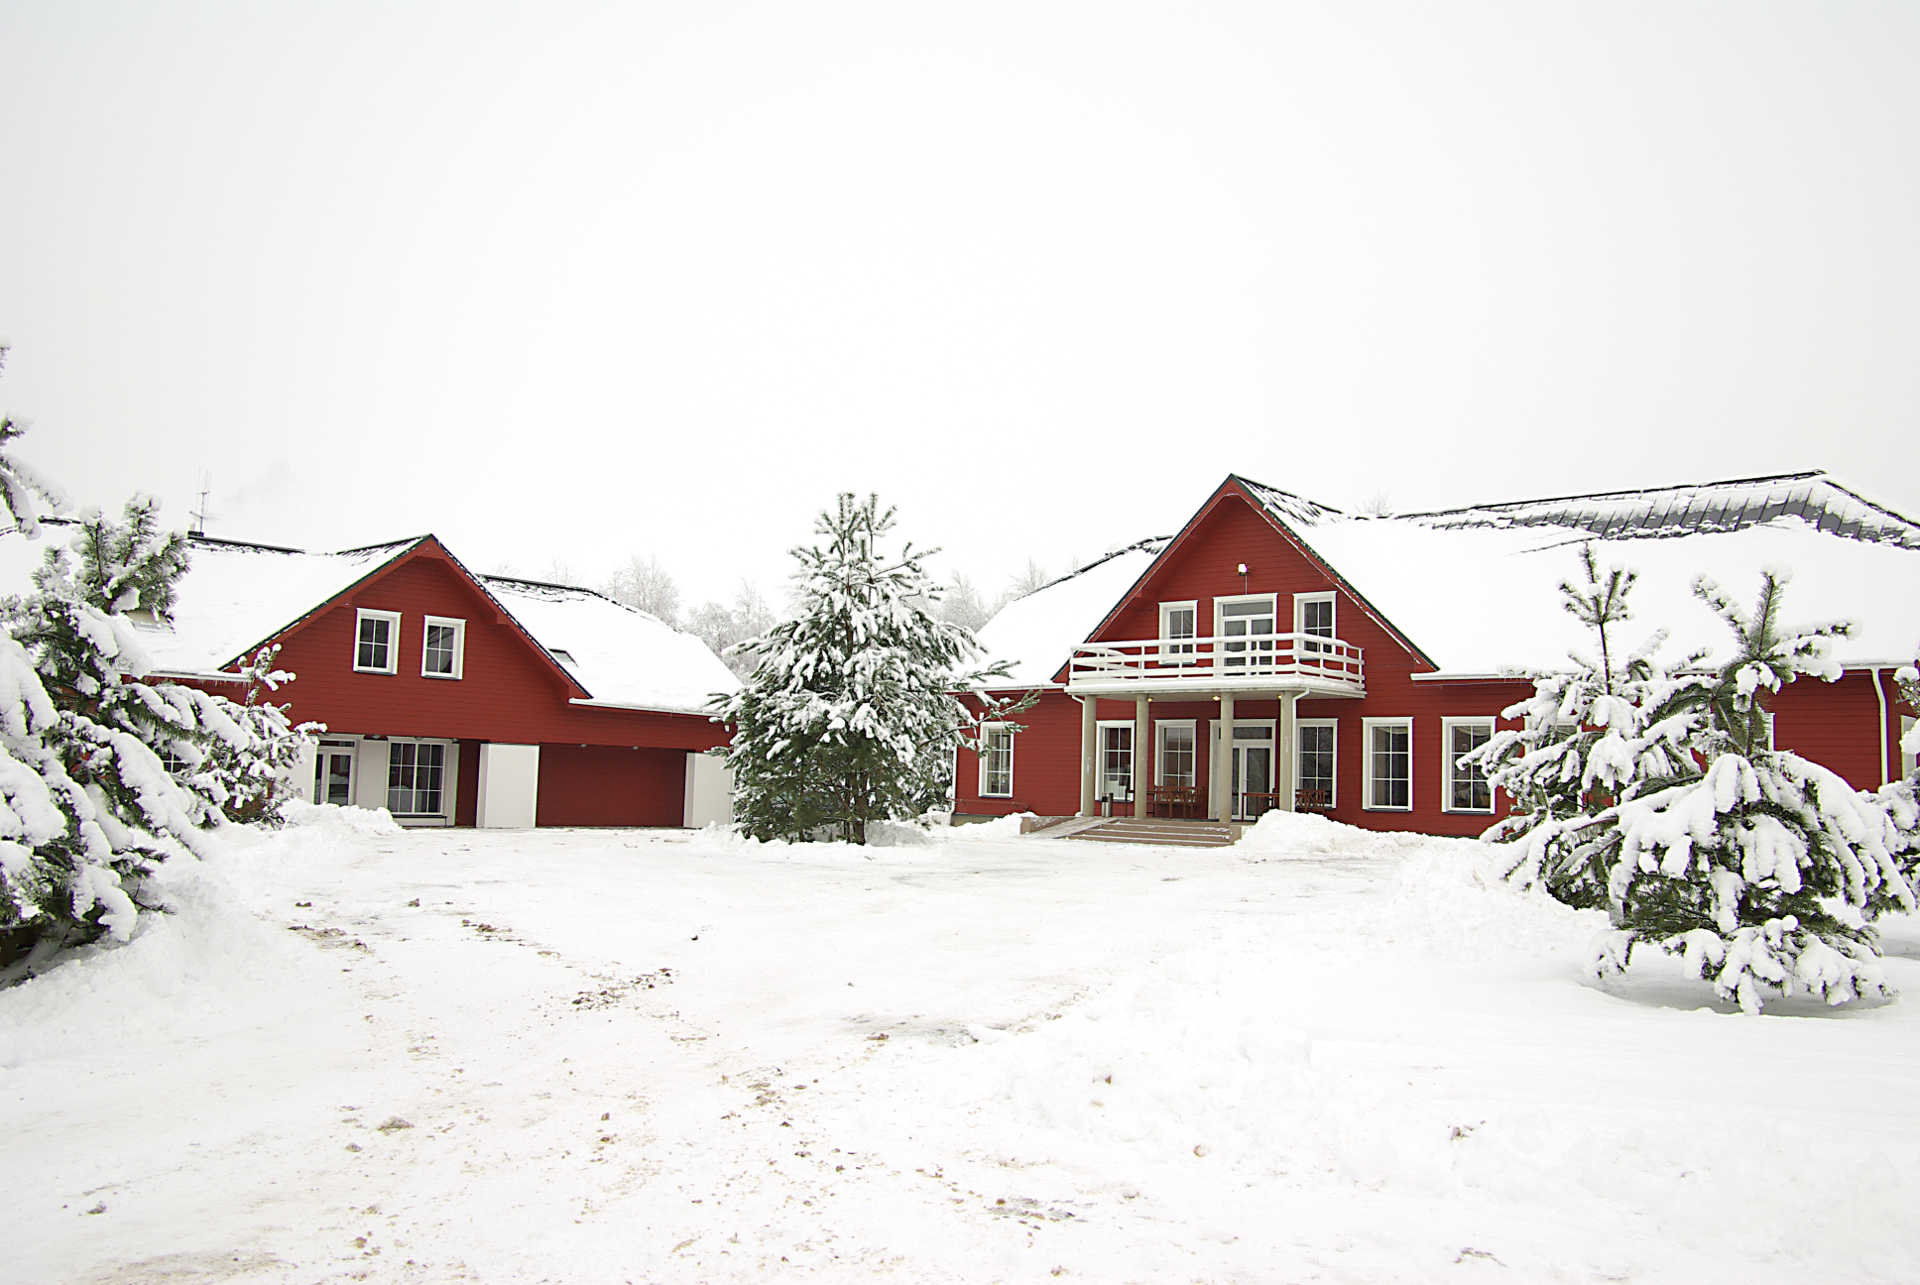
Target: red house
(1346,661)
(451,698)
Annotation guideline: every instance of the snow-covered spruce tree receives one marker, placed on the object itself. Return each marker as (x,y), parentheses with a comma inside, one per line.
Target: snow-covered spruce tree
(1763,870)
(94,806)
(1900,799)
(848,715)
(1583,745)
(21,488)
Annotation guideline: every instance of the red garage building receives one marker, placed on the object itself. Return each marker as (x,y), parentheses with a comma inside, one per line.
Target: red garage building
(451,698)
(1346,661)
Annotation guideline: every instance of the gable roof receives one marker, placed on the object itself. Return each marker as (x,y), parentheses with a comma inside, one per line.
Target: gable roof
(236,596)
(1476,588)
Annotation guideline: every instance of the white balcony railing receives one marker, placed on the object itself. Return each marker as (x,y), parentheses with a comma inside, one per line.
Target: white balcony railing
(1243,662)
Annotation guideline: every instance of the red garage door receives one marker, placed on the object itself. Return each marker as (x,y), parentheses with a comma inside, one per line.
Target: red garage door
(598,785)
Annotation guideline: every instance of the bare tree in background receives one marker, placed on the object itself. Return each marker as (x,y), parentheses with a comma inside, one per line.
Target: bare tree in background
(645,584)
(720,626)
(961,605)
(1034,577)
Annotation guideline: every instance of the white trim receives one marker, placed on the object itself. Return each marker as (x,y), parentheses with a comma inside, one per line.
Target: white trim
(1160,747)
(1100,782)
(1367,729)
(1332,599)
(1447,764)
(427,624)
(360,616)
(1907,756)
(1300,726)
(986,730)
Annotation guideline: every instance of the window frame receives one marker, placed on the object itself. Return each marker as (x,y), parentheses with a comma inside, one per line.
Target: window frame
(1368,726)
(1333,777)
(361,617)
(988,731)
(1174,651)
(459,626)
(1448,766)
(1192,727)
(444,787)
(1907,757)
(1253,657)
(1301,601)
(1100,779)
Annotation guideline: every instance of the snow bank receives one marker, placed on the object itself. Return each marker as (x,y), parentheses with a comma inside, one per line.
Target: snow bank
(1307,834)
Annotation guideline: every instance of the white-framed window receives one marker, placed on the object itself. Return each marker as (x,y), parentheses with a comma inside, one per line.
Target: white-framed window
(376,641)
(443,647)
(1116,760)
(1313,616)
(1178,621)
(1766,717)
(1386,766)
(1174,754)
(1908,744)
(1314,775)
(416,778)
(1463,786)
(1244,625)
(996,761)
(333,772)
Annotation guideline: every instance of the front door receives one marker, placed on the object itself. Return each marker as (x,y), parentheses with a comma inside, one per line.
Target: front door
(1252,784)
(333,773)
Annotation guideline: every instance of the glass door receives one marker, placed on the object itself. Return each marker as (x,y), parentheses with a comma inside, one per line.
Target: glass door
(1246,633)
(333,773)
(1252,788)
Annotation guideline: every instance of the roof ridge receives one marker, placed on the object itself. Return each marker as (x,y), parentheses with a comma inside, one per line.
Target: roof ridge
(1801,476)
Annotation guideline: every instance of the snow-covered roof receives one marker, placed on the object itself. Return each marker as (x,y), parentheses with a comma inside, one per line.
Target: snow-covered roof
(1476,588)
(621,655)
(236,595)
(1035,633)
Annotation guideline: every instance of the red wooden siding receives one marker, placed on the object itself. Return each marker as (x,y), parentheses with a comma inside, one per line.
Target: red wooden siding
(466,799)
(604,785)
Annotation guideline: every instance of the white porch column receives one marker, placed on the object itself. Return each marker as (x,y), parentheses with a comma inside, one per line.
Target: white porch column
(1289,750)
(1089,739)
(1140,756)
(1221,773)
(509,786)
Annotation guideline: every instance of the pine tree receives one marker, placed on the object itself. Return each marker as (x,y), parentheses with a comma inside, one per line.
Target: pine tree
(1583,745)
(20,487)
(1758,867)
(91,805)
(848,715)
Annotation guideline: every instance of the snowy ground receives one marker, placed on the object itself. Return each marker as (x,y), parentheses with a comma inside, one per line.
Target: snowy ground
(360,1054)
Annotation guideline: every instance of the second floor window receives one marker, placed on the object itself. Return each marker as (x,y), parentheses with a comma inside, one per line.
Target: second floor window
(1177,620)
(376,639)
(444,648)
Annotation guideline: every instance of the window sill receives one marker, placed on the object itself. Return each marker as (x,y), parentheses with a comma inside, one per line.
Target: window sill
(452,678)
(1369,807)
(358,670)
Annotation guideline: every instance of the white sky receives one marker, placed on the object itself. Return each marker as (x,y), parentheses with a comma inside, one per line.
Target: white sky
(573,281)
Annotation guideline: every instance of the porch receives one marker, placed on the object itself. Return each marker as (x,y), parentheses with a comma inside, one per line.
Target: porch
(1250,684)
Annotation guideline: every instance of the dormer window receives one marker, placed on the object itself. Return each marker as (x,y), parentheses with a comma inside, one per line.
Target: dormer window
(376,640)
(444,649)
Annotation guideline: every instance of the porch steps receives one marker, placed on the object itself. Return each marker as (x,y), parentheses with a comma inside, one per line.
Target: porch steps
(1177,834)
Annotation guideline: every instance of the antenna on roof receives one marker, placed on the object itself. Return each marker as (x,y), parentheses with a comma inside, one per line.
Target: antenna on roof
(201,514)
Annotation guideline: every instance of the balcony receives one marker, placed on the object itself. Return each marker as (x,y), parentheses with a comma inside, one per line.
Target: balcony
(1243,665)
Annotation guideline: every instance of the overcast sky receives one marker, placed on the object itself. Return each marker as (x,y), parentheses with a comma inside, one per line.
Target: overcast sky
(570,281)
